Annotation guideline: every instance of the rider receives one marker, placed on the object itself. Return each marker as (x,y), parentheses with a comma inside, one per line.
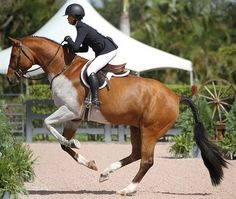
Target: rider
(104,47)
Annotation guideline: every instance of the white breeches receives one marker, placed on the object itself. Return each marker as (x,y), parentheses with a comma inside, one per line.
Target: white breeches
(100,61)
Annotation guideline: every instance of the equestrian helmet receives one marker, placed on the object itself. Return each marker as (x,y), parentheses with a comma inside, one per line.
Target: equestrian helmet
(75,10)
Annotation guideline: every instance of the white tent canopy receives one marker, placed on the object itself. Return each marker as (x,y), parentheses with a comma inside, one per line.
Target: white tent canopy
(138,56)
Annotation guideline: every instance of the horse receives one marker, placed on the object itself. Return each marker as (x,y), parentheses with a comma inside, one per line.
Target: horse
(146,105)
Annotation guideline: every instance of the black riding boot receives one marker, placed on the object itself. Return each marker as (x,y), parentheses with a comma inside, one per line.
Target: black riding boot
(94,84)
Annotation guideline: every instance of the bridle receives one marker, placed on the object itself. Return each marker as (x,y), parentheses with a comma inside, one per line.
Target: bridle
(20,73)
(17,70)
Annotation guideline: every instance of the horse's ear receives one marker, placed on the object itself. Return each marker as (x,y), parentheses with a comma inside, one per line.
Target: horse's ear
(14,41)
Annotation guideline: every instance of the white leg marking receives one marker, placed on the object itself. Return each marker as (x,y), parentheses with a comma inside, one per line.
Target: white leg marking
(82,160)
(61,115)
(90,164)
(131,188)
(105,174)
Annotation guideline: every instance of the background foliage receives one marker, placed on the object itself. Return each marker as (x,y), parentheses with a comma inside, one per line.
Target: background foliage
(184,143)
(42,91)
(16,163)
(22,17)
(202,31)
(228,143)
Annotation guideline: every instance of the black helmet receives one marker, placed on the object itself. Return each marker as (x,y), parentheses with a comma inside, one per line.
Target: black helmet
(75,10)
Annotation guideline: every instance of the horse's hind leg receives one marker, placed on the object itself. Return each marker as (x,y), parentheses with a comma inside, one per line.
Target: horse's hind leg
(68,133)
(150,136)
(135,155)
(147,154)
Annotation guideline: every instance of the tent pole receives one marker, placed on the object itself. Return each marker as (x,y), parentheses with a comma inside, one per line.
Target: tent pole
(191,77)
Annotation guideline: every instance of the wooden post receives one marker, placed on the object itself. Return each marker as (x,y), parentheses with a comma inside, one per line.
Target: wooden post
(29,125)
(107,132)
(121,133)
(220,129)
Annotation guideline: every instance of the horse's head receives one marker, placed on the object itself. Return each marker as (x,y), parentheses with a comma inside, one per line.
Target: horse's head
(21,60)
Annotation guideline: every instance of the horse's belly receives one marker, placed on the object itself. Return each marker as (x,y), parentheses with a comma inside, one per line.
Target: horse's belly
(64,93)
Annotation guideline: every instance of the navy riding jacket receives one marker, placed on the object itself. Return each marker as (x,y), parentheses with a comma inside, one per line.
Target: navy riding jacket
(89,37)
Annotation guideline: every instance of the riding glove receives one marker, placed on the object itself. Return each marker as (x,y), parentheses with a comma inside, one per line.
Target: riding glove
(67,38)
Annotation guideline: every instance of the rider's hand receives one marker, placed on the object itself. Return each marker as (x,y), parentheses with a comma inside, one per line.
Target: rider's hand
(67,38)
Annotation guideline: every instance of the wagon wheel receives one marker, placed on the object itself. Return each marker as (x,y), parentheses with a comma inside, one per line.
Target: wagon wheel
(220,95)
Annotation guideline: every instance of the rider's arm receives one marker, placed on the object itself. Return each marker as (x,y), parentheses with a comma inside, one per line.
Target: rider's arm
(81,34)
(83,48)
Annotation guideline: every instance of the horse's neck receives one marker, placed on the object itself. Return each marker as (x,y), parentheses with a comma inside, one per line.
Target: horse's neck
(49,56)
(52,57)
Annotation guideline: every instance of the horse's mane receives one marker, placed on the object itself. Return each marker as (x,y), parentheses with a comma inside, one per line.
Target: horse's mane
(40,37)
(50,40)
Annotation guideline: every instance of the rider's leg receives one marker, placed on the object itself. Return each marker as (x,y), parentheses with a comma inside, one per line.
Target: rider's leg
(98,63)
(94,84)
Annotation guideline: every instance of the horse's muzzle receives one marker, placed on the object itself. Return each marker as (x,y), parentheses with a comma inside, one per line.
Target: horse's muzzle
(12,80)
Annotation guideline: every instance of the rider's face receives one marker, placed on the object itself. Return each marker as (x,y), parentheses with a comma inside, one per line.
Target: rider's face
(71,19)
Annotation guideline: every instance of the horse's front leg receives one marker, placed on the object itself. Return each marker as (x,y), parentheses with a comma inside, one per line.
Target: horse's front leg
(62,114)
(69,132)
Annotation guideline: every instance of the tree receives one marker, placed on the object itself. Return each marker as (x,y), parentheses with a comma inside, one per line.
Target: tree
(124,19)
(202,31)
(196,30)
(26,16)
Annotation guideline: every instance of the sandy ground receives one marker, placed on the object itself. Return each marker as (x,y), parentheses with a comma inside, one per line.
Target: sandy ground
(58,176)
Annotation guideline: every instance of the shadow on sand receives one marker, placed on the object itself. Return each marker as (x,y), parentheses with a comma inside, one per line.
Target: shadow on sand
(183,194)
(80,192)
(103,192)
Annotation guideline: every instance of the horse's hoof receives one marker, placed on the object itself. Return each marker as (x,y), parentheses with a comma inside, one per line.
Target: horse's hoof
(103,177)
(92,165)
(121,192)
(129,190)
(124,192)
(74,144)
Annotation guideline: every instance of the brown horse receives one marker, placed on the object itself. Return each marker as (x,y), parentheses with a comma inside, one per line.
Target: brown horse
(149,107)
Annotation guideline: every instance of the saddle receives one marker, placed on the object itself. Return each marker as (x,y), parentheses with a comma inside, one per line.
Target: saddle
(88,113)
(105,74)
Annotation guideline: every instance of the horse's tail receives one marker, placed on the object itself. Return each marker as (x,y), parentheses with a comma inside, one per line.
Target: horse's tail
(211,155)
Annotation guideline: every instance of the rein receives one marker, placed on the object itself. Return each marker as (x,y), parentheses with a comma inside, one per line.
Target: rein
(21,73)
(58,74)
(50,61)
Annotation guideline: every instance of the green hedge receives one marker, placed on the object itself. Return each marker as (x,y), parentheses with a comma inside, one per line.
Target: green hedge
(185,90)
(39,91)
(16,161)
(42,91)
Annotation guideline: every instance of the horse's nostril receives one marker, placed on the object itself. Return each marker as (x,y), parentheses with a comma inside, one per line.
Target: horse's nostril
(9,81)
(12,81)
